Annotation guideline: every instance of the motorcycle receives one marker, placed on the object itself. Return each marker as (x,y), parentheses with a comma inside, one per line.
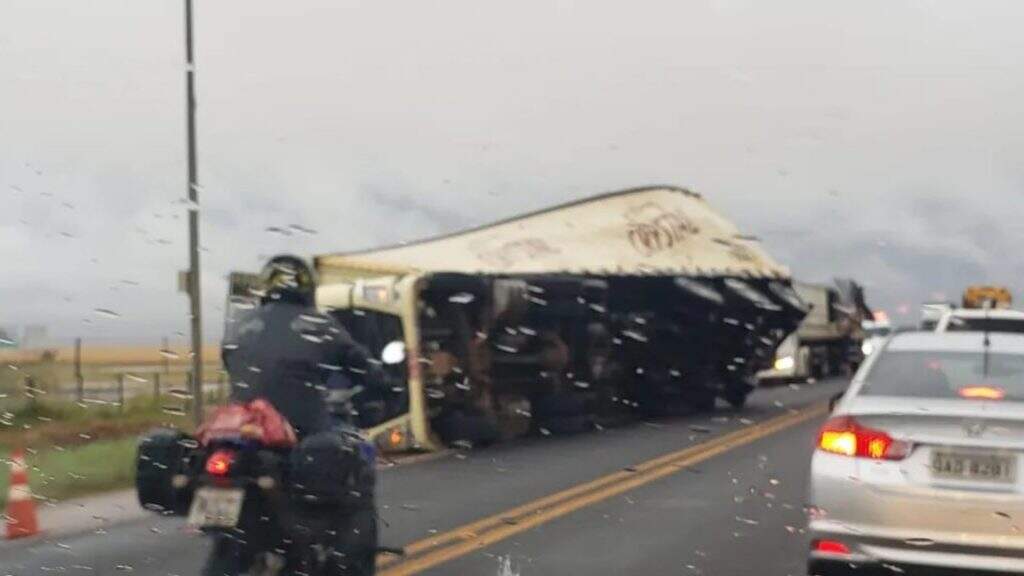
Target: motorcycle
(272,504)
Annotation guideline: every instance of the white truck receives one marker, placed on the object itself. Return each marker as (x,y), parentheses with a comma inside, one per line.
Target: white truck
(828,340)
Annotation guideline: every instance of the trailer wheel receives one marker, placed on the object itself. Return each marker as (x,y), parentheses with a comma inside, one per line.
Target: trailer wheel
(703,400)
(566,425)
(558,405)
(736,397)
(465,426)
(561,413)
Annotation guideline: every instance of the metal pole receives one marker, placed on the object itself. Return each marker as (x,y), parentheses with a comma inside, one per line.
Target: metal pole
(120,392)
(193,225)
(79,380)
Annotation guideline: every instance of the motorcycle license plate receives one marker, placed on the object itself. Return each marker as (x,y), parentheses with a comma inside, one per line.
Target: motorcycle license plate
(216,507)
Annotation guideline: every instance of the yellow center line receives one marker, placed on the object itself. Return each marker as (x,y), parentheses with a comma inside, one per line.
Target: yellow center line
(441,548)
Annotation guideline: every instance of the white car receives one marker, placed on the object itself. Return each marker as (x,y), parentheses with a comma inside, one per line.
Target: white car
(979,320)
(920,467)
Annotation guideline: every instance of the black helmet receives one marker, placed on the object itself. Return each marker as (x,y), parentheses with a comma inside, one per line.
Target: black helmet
(288,277)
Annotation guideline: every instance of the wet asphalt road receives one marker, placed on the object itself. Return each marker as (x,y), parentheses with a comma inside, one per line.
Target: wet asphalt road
(738,512)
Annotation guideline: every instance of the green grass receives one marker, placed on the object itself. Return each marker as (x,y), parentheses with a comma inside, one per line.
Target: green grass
(77,450)
(86,469)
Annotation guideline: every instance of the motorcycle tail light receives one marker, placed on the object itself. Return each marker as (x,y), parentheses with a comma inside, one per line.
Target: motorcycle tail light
(219,463)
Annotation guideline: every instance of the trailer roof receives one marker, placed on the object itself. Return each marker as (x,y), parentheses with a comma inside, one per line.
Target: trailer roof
(655,230)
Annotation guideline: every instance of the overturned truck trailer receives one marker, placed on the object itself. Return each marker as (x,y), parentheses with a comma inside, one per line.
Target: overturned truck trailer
(641,301)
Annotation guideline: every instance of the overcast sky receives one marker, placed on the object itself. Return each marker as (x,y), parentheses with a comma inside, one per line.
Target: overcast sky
(880,140)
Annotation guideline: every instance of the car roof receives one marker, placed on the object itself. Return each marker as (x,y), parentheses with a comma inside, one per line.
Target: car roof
(998,313)
(955,342)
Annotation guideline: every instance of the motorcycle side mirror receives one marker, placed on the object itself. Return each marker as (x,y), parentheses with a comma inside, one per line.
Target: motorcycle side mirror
(393,352)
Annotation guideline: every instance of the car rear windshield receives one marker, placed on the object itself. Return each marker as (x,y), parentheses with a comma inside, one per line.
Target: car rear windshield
(938,374)
(983,324)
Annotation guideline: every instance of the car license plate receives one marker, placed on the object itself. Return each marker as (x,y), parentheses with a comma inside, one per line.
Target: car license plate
(216,507)
(974,466)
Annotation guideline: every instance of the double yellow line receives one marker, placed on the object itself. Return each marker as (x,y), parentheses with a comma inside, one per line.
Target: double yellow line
(429,552)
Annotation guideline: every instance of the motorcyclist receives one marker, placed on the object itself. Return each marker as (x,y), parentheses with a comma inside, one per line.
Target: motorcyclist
(286,351)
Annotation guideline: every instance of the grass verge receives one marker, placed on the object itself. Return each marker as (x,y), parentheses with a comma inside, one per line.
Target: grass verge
(57,474)
(79,449)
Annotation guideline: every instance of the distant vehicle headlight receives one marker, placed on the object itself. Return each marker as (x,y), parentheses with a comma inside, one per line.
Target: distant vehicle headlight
(867,348)
(784,363)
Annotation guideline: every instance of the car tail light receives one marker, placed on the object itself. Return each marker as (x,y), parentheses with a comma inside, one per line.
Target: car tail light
(831,547)
(982,392)
(219,463)
(844,435)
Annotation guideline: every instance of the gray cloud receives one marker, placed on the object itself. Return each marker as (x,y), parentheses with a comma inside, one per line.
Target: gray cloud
(874,139)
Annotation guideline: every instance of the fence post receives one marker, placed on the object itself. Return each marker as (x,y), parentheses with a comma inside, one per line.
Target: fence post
(156,386)
(31,391)
(79,380)
(166,361)
(120,392)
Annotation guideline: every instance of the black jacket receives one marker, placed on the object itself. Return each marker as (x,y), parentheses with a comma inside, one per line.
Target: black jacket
(285,351)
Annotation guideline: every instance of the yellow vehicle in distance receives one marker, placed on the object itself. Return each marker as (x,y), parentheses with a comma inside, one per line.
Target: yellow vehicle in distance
(981,296)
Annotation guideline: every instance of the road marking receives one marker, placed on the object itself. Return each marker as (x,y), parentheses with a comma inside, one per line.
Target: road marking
(430,552)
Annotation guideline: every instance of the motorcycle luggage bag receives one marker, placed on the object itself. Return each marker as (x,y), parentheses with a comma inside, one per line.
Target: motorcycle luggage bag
(162,454)
(332,469)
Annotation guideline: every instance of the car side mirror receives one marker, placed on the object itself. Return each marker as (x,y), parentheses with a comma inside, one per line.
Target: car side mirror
(834,399)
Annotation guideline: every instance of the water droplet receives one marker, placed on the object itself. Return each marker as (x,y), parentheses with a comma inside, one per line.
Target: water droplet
(461,298)
(170,354)
(920,541)
(106,313)
(303,229)
(634,335)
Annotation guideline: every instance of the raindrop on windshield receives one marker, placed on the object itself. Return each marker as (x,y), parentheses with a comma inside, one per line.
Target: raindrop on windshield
(106,313)
(461,298)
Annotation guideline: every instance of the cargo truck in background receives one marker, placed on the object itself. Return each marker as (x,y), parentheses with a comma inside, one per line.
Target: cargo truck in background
(829,340)
(932,313)
(640,302)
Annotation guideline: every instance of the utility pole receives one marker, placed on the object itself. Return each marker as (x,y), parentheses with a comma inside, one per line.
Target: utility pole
(193,225)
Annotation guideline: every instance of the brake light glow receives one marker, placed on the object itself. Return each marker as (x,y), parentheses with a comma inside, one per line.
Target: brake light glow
(219,463)
(982,392)
(831,547)
(845,436)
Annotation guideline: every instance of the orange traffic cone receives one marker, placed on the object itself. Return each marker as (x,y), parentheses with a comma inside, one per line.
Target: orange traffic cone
(21,509)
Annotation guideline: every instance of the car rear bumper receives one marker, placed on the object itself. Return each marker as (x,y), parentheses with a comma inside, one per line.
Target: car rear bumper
(882,519)
(867,551)
(822,567)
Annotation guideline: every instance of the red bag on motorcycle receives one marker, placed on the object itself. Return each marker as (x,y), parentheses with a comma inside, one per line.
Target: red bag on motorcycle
(256,420)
